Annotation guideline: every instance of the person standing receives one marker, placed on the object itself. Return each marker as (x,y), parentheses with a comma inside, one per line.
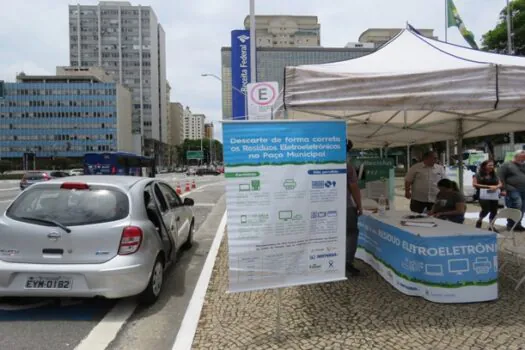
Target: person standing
(486,178)
(512,175)
(421,183)
(353,210)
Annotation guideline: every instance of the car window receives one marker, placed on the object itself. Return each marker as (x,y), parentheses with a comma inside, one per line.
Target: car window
(161,199)
(71,207)
(171,196)
(34,176)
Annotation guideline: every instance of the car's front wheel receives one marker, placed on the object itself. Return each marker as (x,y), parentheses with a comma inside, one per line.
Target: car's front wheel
(152,292)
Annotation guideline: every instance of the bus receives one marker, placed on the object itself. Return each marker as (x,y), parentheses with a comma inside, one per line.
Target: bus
(118,163)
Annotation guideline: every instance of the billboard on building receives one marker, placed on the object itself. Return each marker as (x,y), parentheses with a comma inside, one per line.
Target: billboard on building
(241,70)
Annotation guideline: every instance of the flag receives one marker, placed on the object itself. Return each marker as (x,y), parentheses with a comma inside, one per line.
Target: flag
(454,20)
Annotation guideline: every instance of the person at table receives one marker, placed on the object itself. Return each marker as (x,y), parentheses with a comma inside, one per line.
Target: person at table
(353,210)
(486,178)
(450,202)
(421,183)
(512,175)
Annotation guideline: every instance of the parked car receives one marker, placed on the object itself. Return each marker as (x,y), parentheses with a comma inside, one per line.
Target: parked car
(76,172)
(90,236)
(206,171)
(32,177)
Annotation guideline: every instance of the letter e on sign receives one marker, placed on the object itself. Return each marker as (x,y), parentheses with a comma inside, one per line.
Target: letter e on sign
(261,98)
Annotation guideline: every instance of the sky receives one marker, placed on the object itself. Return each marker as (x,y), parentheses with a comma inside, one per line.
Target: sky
(34,34)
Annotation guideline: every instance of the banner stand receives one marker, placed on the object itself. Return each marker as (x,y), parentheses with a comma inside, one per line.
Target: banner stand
(278,293)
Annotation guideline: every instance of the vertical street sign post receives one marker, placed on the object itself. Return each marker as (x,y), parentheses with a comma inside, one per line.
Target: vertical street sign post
(241,71)
(261,98)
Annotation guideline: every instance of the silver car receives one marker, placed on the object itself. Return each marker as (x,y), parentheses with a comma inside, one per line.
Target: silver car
(89,236)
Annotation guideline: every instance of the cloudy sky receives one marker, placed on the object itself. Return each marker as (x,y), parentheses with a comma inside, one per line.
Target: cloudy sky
(34,33)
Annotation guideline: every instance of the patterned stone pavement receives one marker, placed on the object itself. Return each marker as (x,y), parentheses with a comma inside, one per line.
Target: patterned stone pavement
(361,313)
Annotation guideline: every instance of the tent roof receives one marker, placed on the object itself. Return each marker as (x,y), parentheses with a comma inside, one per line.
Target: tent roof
(412,90)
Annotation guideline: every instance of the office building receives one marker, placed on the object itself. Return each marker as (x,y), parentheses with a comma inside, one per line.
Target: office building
(272,61)
(129,43)
(208,131)
(193,125)
(176,128)
(64,115)
(380,36)
(286,31)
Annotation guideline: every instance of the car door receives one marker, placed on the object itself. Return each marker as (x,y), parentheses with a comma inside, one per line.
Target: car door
(179,211)
(167,214)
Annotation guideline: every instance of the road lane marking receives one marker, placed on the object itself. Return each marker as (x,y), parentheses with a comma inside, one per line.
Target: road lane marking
(188,327)
(10,189)
(6,201)
(199,189)
(205,204)
(106,330)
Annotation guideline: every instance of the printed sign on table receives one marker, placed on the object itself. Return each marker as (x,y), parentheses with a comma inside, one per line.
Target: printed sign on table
(444,269)
(286,202)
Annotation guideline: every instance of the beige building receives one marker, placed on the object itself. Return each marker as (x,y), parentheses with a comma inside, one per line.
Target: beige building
(193,125)
(208,131)
(380,36)
(176,123)
(286,31)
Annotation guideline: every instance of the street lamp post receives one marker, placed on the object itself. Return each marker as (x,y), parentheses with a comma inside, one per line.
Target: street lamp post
(234,88)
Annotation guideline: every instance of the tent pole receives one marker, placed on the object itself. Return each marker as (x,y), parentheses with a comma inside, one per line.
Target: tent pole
(447,158)
(446,21)
(460,154)
(408,157)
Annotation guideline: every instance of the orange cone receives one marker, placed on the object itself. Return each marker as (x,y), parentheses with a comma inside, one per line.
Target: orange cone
(187,189)
(193,184)
(179,190)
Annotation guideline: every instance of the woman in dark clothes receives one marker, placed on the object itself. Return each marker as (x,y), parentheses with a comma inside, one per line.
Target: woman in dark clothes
(450,202)
(486,178)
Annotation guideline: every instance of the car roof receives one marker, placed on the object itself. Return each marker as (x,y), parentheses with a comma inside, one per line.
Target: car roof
(123,182)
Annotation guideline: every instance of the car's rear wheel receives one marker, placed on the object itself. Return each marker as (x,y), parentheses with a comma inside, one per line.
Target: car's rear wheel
(189,241)
(152,292)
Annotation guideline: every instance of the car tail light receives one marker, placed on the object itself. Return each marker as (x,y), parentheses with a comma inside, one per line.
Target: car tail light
(74,186)
(113,170)
(130,240)
(46,177)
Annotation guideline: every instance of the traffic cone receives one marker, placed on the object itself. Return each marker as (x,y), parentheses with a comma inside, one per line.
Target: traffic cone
(179,190)
(193,185)
(187,189)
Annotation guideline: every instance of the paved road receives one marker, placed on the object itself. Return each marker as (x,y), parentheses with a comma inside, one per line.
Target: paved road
(69,322)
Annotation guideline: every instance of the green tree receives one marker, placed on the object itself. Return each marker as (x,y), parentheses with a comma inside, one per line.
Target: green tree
(496,39)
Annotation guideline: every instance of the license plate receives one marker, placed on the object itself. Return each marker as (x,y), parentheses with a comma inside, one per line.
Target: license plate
(60,283)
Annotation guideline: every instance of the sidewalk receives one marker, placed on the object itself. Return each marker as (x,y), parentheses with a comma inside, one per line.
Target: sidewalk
(361,313)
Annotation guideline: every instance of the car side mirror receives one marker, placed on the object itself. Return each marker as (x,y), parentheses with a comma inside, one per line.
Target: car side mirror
(189,202)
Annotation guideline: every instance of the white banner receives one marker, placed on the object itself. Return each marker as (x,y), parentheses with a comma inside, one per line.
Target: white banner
(286,202)
(261,99)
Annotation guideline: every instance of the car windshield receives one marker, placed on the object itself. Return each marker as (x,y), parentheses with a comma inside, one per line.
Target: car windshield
(34,176)
(70,207)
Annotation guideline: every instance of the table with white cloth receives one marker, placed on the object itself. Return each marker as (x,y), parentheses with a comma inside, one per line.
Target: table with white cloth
(449,263)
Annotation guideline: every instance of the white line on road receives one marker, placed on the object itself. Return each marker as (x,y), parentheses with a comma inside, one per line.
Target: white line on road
(6,201)
(188,328)
(204,204)
(106,330)
(199,189)
(9,189)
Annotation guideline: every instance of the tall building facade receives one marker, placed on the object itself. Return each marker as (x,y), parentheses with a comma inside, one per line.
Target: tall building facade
(64,115)
(286,31)
(176,128)
(193,126)
(380,36)
(272,61)
(129,43)
(208,131)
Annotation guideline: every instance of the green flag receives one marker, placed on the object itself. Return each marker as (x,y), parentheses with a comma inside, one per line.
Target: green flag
(454,20)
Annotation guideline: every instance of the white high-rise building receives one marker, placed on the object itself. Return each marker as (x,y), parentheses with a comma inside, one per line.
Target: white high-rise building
(193,125)
(129,43)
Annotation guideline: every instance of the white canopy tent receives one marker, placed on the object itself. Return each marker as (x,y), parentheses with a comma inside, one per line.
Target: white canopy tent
(413,90)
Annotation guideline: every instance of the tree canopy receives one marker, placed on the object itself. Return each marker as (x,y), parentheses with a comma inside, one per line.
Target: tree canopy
(495,40)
